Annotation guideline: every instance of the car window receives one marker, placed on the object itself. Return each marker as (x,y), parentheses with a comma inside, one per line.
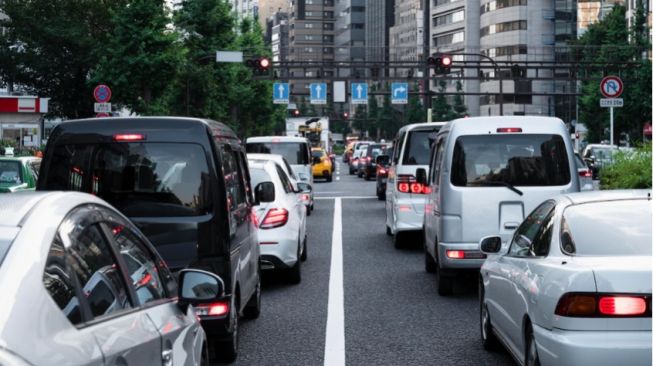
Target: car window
(10,172)
(418,147)
(245,178)
(437,165)
(97,272)
(259,175)
(35,166)
(296,153)
(67,168)
(287,186)
(60,284)
(516,159)
(399,144)
(141,265)
(533,236)
(232,176)
(317,153)
(289,169)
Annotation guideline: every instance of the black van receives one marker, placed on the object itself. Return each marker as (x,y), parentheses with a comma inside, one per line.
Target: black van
(185,183)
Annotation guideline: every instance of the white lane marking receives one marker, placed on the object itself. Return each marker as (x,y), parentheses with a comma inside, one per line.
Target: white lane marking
(334,347)
(347,197)
(338,178)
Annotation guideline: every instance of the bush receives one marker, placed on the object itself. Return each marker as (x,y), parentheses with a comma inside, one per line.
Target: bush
(630,170)
(338,149)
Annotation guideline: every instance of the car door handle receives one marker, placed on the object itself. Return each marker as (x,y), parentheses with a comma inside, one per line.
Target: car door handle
(510,225)
(166,357)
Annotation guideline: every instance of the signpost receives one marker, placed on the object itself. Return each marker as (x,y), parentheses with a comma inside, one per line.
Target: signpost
(102,95)
(611,88)
(399,93)
(318,93)
(358,93)
(281,93)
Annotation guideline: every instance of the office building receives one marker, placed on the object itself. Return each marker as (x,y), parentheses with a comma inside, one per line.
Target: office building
(379,17)
(350,33)
(278,36)
(406,35)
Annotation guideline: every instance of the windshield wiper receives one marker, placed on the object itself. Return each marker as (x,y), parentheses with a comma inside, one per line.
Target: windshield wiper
(500,183)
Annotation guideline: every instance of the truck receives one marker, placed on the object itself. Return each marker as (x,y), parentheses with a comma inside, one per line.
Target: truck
(315,129)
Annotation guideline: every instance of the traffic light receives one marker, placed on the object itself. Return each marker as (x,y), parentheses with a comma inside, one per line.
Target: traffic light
(260,65)
(441,63)
(345,115)
(296,113)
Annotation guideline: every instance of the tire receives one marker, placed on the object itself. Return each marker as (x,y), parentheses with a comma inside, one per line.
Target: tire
(367,177)
(488,338)
(429,263)
(204,361)
(531,358)
(226,350)
(305,252)
(308,211)
(397,240)
(329,178)
(388,232)
(295,272)
(444,283)
(253,308)
(359,174)
(351,171)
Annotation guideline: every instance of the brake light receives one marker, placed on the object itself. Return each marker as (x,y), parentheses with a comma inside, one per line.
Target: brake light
(214,309)
(368,159)
(595,305)
(403,187)
(585,173)
(408,184)
(382,171)
(509,129)
(416,188)
(305,197)
(275,217)
(456,254)
(129,137)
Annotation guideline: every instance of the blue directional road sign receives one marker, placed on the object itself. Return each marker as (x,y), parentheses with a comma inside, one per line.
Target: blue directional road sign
(399,93)
(318,93)
(358,93)
(280,93)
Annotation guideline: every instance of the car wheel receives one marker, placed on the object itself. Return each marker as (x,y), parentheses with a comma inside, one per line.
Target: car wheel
(305,252)
(429,263)
(397,240)
(532,358)
(295,272)
(367,177)
(488,338)
(253,307)
(329,177)
(444,283)
(351,171)
(388,232)
(204,361)
(227,350)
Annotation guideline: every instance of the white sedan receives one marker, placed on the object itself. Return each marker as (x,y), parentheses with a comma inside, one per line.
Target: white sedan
(574,287)
(281,220)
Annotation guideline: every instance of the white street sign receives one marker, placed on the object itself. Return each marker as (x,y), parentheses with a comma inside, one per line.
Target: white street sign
(228,56)
(102,108)
(612,102)
(339,93)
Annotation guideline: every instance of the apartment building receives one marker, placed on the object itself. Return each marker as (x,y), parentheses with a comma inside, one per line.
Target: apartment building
(278,36)
(406,35)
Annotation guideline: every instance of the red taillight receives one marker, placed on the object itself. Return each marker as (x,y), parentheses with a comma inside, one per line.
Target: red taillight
(509,129)
(305,197)
(408,184)
(622,305)
(129,137)
(585,173)
(594,305)
(368,159)
(275,217)
(214,309)
(456,254)
(382,171)
(416,188)
(403,187)
(145,280)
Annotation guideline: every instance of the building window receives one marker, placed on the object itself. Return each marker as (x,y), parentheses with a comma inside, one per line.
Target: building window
(442,2)
(504,27)
(456,16)
(500,4)
(448,39)
(519,49)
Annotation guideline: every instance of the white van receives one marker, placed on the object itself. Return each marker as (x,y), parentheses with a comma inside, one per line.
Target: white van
(485,174)
(296,150)
(404,205)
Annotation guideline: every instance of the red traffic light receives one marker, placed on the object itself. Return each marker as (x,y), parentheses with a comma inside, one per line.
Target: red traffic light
(264,63)
(446,61)
(296,112)
(346,114)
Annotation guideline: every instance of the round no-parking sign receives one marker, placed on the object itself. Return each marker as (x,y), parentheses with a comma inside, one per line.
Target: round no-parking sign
(102,93)
(611,87)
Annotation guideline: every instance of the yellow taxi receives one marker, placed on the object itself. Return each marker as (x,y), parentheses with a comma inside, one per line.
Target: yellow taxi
(321,164)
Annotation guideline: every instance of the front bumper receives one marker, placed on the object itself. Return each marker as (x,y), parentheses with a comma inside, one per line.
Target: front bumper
(562,347)
(467,263)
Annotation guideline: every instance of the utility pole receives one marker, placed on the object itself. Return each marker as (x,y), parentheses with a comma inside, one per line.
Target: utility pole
(426,34)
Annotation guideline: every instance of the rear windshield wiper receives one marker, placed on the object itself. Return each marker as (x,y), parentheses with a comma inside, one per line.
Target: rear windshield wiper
(499,183)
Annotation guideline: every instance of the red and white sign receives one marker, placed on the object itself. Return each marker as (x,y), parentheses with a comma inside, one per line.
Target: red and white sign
(102,115)
(647,129)
(23,104)
(612,86)
(102,93)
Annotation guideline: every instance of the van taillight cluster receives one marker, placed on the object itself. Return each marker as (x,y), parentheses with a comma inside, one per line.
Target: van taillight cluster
(275,217)
(408,184)
(599,305)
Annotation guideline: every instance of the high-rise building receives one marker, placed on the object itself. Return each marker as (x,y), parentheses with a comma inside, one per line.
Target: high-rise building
(245,8)
(379,17)
(406,35)
(350,31)
(279,36)
(267,9)
(311,39)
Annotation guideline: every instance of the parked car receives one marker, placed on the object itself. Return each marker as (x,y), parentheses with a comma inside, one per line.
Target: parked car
(321,162)
(183,181)
(296,150)
(584,174)
(574,287)
(485,173)
(69,286)
(404,205)
(305,188)
(18,174)
(597,156)
(282,221)
(382,167)
(367,163)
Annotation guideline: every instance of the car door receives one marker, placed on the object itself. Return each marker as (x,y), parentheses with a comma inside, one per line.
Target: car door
(519,272)
(156,289)
(291,202)
(391,186)
(125,335)
(432,208)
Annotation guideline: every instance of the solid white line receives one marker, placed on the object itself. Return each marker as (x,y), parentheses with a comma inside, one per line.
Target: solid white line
(347,197)
(334,347)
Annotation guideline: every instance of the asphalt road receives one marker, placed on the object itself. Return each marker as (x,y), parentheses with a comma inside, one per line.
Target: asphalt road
(387,310)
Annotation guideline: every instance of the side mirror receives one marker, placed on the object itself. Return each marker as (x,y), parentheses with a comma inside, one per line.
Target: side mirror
(490,244)
(304,187)
(421,175)
(382,160)
(199,287)
(264,192)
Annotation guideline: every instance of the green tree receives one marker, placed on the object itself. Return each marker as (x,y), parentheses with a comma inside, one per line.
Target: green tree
(459,107)
(373,111)
(50,47)
(360,119)
(442,111)
(388,122)
(141,57)
(415,110)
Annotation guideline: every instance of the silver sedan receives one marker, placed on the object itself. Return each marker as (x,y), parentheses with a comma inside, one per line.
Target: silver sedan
(574,287)
(81,285)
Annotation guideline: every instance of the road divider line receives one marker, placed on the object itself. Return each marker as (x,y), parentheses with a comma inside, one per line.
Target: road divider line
(334,347)
(347,197)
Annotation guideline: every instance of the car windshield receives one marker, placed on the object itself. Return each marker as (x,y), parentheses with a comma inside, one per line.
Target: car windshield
(259,175)
(513,159)
(295,152)
(418,147)
(139,179)
(377,150)
(10,172)
(609,228)
(317,153)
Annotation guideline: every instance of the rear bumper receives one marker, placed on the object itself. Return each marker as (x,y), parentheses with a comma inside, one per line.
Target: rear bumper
(406,217)
(285,251)
(469,263)
(561,347)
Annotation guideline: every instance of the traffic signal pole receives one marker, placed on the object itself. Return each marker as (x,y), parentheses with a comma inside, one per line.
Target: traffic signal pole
(426,34)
